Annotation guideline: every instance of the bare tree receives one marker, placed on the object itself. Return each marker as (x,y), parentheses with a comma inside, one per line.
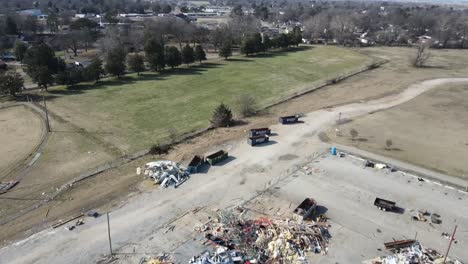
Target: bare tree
(247,105)
(317,27)
(422,54)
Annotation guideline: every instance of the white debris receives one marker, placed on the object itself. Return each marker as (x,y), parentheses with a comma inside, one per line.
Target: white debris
(166,173)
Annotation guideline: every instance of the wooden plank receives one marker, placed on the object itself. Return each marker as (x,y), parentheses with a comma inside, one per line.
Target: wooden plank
(61,223)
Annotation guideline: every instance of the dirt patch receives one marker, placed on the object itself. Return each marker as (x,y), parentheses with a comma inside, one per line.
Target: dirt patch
(21,131)
(288,157)
(429,131)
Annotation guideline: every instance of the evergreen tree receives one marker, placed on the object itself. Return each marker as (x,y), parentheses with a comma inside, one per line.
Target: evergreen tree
(42,64)
(94,71)
(11,83)
(222,116)
(115,61)
(188,55)
(267,43)
(173,57)
(226,50)
(20,50)
(11,28)
(200,54)
(136,63)
(154,53)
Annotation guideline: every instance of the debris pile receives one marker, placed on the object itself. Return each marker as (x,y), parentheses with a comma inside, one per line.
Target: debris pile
(412,253)
(166,173)
(262,240)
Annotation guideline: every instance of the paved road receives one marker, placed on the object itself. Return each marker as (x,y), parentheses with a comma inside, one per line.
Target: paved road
(249,171)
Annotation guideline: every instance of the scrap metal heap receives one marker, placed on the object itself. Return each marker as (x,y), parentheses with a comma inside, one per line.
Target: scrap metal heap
(263,240)
(414,253)
(166,173)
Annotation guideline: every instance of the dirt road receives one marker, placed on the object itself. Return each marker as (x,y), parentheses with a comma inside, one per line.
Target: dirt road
(248,172)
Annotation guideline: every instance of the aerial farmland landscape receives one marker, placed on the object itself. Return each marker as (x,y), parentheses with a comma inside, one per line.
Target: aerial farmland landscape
(206,132)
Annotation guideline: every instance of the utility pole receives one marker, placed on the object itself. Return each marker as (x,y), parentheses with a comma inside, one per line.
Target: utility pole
(108,232)
(46,112)
(450,243)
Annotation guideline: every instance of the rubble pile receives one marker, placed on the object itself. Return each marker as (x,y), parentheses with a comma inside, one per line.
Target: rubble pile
(166,173)
(414,253)
(262,240)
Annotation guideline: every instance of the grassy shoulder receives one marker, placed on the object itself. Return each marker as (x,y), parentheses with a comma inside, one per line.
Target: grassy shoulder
(138,111)
(429,131)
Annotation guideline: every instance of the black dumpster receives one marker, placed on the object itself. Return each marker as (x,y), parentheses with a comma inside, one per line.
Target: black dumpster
(258,140)
(289,119)
(217,157)
(259,132)
(195,164)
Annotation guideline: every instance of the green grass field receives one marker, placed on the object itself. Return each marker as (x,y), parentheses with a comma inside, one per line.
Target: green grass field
(138,111)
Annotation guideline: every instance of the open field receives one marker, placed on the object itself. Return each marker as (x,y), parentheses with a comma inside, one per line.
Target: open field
(137,112)
(21,131)
(279,175)
(430,131)
(111,188)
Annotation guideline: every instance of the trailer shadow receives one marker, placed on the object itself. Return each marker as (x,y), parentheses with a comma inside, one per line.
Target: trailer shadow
(266,144)
(226,161)
(399,210)
(295,123)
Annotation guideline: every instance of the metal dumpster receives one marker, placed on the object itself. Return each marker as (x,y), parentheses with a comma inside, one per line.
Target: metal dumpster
(289,119)
(216,157)
(258,140)
(259,132)
(195,164)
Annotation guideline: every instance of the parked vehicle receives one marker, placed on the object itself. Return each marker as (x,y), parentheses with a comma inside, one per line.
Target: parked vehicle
(385,205)
(258,140)
(289,119)
(259,132)
(217,157)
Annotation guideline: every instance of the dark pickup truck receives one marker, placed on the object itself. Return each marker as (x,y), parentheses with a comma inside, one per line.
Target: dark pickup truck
(385,205)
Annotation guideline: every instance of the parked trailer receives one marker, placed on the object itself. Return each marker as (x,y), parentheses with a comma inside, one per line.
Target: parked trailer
(385,205)
(399,244)
(195,164)
(305,209)
(217,157)
(289,119)
(258,140)
(259,132)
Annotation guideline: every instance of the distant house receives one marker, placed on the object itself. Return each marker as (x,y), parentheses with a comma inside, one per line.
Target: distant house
(8,57)
(31,12)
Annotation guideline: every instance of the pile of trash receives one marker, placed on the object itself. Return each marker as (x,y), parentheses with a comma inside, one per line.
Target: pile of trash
(262,240)
(166,173)
(414,253)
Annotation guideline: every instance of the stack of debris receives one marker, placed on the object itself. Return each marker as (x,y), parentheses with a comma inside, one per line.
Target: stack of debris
(262,241)
(411,251)
(166,173)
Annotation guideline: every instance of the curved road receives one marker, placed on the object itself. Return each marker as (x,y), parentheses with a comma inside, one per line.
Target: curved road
(248,172)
